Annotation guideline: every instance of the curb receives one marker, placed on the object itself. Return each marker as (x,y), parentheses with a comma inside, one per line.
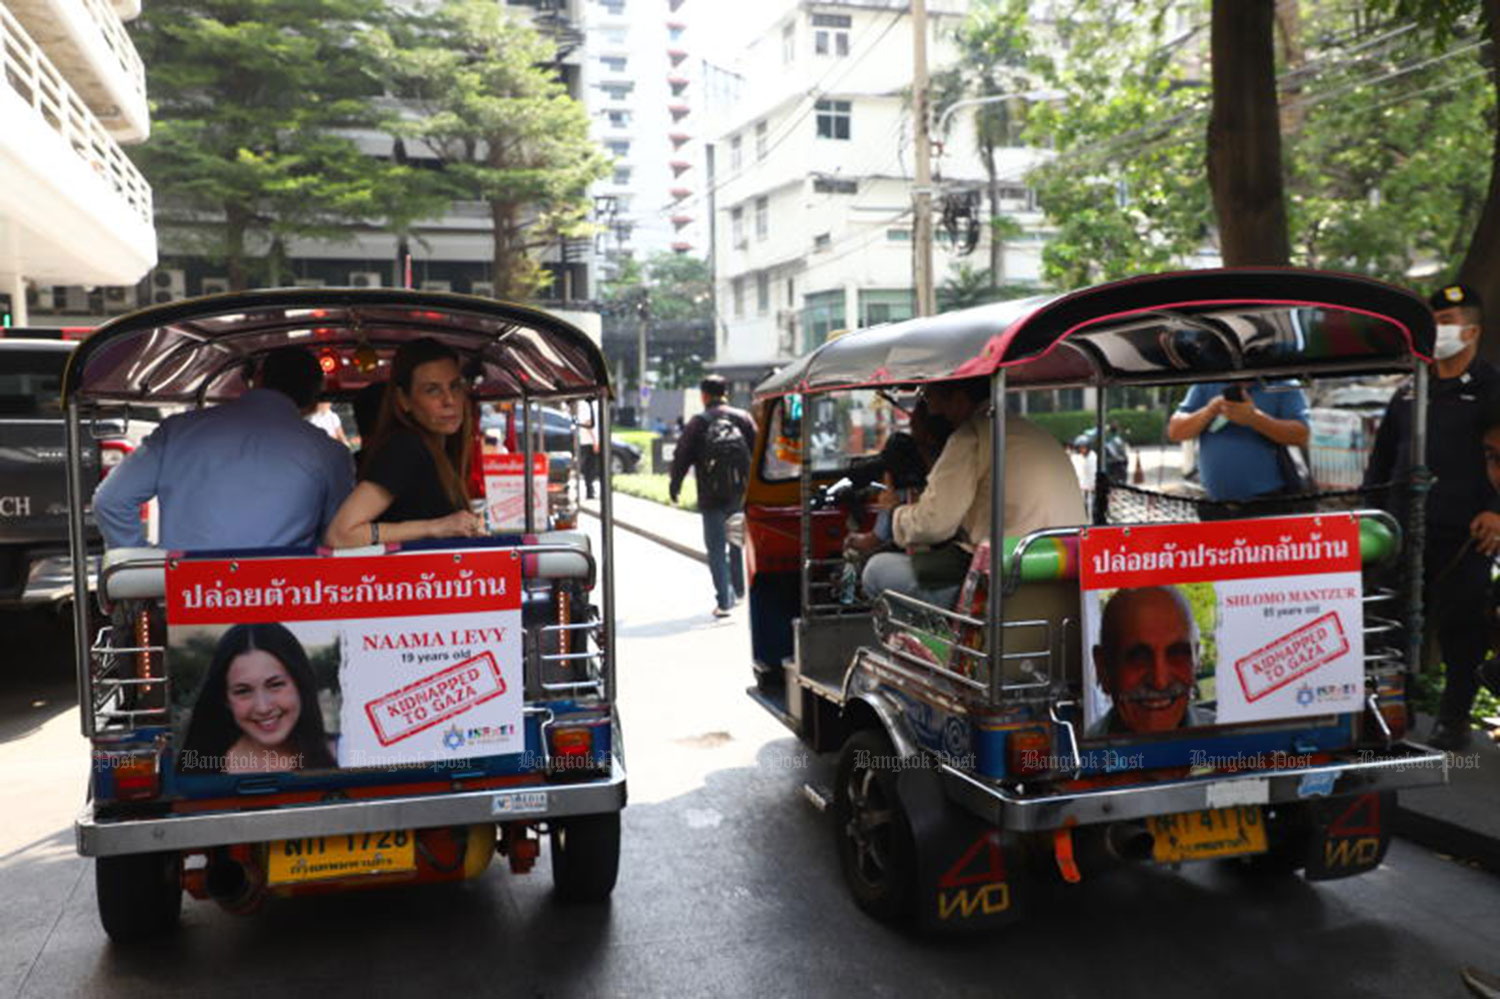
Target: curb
(665,542)
(1448,838)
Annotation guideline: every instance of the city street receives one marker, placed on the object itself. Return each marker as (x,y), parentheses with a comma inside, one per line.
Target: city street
(728,886)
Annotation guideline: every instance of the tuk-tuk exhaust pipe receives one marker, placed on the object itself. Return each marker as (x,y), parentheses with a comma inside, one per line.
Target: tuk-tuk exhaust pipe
(1130,841)
(228,883)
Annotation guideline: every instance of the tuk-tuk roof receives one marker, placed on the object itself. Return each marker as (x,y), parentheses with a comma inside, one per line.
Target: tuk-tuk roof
(1188,325)
(196,351)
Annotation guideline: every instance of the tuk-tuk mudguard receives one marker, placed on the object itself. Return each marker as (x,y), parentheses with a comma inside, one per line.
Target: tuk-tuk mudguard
(1348,836)
(969,875)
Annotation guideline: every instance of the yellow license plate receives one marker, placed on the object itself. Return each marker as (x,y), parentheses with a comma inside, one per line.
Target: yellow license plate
(319,858)
(1213,832)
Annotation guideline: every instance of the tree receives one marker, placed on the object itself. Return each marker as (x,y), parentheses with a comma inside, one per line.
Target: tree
(993,54)
(252,106)
(668,300)
(1446,22)
(1244,135)
(484,100)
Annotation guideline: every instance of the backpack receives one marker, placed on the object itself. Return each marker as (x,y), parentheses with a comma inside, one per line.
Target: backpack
(724,468)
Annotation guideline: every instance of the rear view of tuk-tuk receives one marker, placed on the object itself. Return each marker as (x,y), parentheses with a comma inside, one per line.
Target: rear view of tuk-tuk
(1155,686)
(450,700)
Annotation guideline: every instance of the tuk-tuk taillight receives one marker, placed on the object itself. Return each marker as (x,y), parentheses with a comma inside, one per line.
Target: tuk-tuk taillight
(111,453)
(135,774)
(1028,752)
(573,744)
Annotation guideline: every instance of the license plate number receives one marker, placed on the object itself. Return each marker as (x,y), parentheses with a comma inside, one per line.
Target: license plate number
(319,858)
(1213,832)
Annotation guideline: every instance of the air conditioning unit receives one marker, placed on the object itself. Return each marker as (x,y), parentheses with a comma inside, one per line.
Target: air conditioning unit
(168,285)
(215,285)
(310,283)
(119,298)
(484,289)
(437,285)
(364,279)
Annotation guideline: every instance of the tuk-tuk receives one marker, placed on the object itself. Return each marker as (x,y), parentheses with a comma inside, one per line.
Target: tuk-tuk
(989,745)
(462,692)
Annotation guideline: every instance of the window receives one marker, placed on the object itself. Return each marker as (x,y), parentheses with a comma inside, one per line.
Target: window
(831,34)
(738,286)
(835,185)
(615,7)
(791,292)
(674,32)
(821,242)
(615,36)
(762,293)
(618,147)
(822,313)
(762,217)
(737,227)
(833,119)
(615,64)
(617,91)
(622,175)
(898,235)
(761,134)
(788,42)
(618,118)
(736,158)
(885,306)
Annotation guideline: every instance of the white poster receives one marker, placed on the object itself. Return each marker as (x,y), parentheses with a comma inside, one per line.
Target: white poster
(505,491)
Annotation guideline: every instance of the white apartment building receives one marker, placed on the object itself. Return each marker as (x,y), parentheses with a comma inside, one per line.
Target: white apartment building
(642,83)
(74,211)
(814,175)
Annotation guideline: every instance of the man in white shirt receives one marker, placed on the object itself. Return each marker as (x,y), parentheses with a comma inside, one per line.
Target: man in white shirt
(952,514)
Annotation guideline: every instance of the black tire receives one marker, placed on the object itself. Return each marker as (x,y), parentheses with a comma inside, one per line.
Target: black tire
(140,894)
(872,835)
(585,857)
(618,465)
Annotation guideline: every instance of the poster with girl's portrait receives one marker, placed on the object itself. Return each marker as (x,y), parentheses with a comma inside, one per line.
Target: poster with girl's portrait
(302,664)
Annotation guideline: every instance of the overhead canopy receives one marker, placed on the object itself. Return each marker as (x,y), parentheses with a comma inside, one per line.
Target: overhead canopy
(201,350)
(1185,325)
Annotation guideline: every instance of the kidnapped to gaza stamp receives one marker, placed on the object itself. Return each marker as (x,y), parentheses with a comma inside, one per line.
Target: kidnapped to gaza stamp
(427,702)
(1278,663)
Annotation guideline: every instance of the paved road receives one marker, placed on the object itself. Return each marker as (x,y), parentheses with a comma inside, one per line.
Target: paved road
(728,885)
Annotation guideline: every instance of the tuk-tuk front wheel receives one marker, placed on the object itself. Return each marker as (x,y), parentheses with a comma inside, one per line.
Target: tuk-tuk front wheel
(585,856)
(140,894)
(873,837)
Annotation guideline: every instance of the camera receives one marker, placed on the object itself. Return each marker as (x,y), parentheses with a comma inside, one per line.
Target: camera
(1234,392)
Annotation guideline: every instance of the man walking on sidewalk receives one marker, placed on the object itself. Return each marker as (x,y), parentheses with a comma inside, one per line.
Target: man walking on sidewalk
(717,445)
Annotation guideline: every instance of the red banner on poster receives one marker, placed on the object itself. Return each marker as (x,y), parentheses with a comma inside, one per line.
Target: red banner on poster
(1164,554)
(244,591)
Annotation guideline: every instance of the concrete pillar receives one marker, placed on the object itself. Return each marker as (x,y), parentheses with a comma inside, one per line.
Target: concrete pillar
(14,285)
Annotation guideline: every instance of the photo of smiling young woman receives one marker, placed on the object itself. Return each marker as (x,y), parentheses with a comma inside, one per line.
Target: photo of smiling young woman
(257,711)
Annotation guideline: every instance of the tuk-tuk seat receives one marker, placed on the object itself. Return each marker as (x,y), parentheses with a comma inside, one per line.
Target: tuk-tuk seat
(560,565)
(147,581)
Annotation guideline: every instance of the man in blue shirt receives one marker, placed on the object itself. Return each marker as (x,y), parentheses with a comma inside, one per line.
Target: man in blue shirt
(248,474)
(1241,428)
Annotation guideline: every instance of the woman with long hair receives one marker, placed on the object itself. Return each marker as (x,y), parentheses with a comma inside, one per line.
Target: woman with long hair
(257,711)
(414,473)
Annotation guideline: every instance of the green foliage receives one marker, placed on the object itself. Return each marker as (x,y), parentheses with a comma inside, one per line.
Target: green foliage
(655,488)
(1138,426)
(252,106)
(672,286)
(967,286)
(500,121)
(1386,138)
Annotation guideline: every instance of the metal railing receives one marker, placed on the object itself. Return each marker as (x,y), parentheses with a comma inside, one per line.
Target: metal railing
(118,40)
(30,75)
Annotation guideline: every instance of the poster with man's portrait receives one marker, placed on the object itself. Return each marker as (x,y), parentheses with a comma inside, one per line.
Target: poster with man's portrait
(304,664)
(1219,623)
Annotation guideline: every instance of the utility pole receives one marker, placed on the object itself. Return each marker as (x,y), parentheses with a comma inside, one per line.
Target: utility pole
(921,233)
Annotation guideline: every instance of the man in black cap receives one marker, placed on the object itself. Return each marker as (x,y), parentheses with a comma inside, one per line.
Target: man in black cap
(1462,392)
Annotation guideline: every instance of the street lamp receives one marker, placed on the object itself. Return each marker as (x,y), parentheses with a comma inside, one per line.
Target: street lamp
(970,102)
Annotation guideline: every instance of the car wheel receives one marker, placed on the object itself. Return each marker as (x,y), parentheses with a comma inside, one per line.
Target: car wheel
(140,894)
(585,856)
(618,466)
(873,837)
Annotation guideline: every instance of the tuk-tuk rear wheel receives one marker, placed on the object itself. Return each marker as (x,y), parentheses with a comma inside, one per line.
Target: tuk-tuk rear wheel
(586,856)
(872,834)
(140,894)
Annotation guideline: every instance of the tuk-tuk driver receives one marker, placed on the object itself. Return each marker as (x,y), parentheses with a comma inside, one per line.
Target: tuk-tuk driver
(952,514)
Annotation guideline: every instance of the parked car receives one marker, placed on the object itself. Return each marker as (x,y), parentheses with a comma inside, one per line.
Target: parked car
(34,564)
(559,436)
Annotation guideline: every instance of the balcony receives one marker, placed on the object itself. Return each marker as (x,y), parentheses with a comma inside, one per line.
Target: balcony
(679,193)
(77,210)
(87,43)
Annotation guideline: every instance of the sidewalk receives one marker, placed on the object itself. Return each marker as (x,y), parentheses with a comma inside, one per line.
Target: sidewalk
(1461,819)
